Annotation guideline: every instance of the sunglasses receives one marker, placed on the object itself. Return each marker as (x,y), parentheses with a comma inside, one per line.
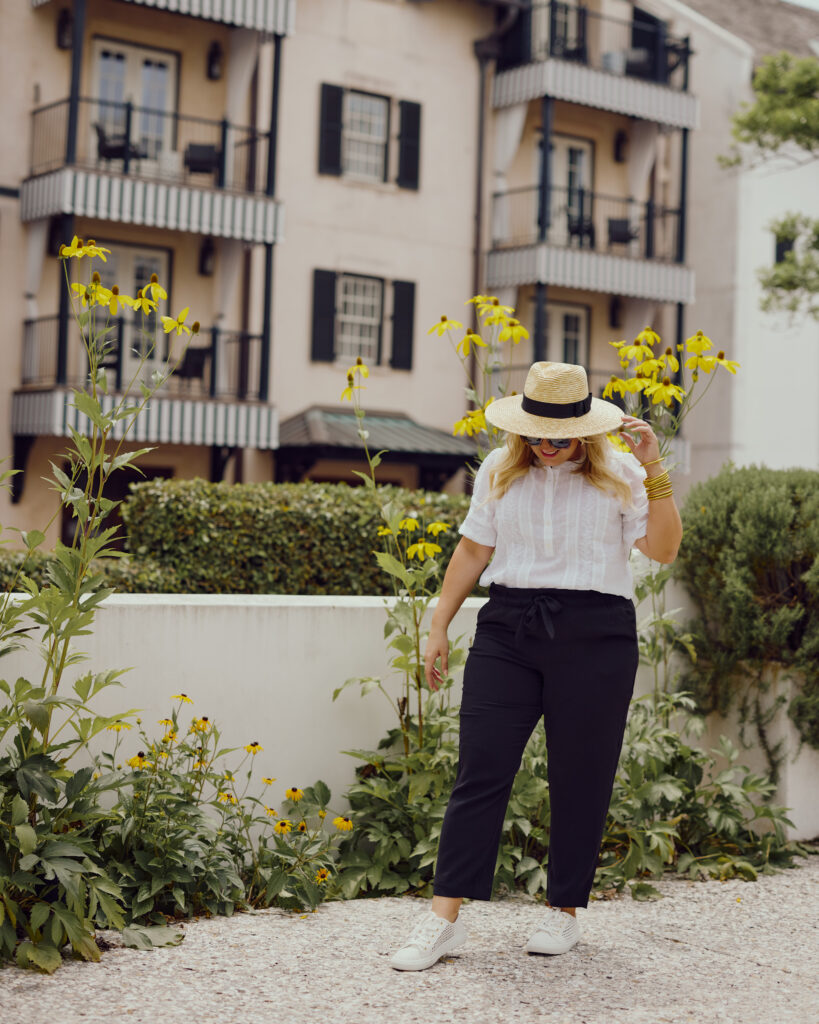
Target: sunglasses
(560,442)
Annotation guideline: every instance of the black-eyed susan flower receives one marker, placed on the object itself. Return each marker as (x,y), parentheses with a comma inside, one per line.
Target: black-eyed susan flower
(302,826)
(664,391)
(271,812)
(167,722)
(254,748)
(138,761)
(170,736)
(294,793)
(199,765)
(409,524)
(514,331)
(267,780)
(698,343)
(445,324)
(343,824)
(118,726)
(227,798)
(423,549)
(437,527)
(283,827)
(469,339)
(322,814)
(156,289)
(322,875)
(170,324)
(200,724)
(183,697)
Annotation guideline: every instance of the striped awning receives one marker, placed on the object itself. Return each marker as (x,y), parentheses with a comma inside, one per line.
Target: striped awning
(129,200)
(277,17)
(576,83)
(164,421)
(591,271)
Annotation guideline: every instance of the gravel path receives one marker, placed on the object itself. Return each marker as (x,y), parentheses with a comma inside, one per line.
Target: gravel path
(708,953)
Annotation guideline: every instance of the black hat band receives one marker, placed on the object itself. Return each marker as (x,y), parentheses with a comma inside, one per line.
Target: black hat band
(557,410)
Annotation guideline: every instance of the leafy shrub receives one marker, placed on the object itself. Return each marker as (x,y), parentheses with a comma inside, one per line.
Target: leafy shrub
(670,811)
(273,538)
(125,575)
(750,562)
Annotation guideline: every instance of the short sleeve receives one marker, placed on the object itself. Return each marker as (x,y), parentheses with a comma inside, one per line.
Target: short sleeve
(635,517)
(480,523)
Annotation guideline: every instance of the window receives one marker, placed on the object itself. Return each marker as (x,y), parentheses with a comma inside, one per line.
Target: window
(354,137)
(349,318)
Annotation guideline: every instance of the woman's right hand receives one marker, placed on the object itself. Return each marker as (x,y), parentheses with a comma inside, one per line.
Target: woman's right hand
(437,647)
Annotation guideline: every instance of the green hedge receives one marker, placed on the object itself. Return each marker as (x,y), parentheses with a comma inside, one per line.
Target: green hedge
(750,561)
(273,538)
(127,575)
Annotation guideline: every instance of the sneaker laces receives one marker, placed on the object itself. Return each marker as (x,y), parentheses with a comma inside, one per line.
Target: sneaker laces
(430,931)
(553,923)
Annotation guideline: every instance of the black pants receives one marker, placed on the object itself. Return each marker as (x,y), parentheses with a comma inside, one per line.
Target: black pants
(570,656)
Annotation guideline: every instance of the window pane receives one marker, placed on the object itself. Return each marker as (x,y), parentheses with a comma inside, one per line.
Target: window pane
(112,91)
(364,137)
(154,75)
(359,319)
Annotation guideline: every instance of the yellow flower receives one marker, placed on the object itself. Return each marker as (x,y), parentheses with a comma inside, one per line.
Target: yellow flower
(156,289)
(283,827)
(115,300)
(79,249)
(479,300)
(167,722)
(322,814)
(359,367)
(732,367)
(704,363)
(384,531)
(200,724)
(183,697)
(615,384)
(268,781)
(469,339)
(494,306)
(143,304)
(670,360)
(347,393)
(343,824)
(170,736)
(514,330)
(322,875)
(118,726)
(270,812)
(253,748)
(436,528)
(169,324)
(664,391)
(227,798)
(294,794)
(636,351)
(422,549)
(163,755)
(199,764)
(93,293)
(444,325)
(302,826)
(698,343)
(138,761)
(648,337)
(618,442)
(651,367)
(410,524)
(472,423)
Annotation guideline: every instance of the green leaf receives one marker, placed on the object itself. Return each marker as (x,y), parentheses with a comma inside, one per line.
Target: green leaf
(643,891)
(26,837)
(88,405)
(38,714)
(137,936)
(19,810)
(43,955)
(39,915)
(32,539)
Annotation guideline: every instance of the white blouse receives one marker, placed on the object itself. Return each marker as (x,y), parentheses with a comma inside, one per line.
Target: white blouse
(553,528)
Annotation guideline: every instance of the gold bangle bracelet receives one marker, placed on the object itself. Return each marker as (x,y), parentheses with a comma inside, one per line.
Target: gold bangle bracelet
(664,494)
(654,462)
(657,484)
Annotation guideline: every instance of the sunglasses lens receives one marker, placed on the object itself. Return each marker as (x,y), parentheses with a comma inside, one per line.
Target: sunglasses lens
(561,442)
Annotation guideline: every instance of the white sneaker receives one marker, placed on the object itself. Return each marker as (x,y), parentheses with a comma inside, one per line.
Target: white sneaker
(432,938)
(556,933)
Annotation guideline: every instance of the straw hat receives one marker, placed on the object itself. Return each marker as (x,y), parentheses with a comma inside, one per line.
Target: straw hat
(556,402)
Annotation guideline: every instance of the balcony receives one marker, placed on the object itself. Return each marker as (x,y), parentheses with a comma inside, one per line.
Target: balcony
(136,165)
(581,239)
(212,397)
(275,16)
(571,52)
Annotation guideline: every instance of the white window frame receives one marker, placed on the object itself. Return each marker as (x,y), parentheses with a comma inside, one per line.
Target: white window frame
(353,165)
(359,332)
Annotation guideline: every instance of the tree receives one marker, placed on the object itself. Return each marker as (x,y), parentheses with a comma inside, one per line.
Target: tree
(783,122)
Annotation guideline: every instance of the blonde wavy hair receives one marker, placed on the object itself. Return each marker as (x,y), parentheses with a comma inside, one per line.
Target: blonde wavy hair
(595,465)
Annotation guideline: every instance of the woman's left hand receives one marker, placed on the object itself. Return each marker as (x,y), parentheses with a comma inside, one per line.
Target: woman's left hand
(647,449)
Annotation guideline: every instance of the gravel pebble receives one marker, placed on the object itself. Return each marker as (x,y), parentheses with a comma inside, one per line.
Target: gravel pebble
(711,952)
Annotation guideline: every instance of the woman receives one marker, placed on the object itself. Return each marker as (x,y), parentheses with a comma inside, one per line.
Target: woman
(560,508)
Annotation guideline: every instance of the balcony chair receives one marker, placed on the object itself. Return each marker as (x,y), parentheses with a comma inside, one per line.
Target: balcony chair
(202,158)
(580,227)
(116,147)
(621,231)
(193,365)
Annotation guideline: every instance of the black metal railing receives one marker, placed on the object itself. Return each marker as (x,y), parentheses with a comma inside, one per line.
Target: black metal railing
(577,218)
(216,363)
(639,48)
(153,144)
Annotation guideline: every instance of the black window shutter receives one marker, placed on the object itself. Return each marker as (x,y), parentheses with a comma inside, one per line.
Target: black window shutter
(330,130)
(409,148)
(403,324)
(324,316)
